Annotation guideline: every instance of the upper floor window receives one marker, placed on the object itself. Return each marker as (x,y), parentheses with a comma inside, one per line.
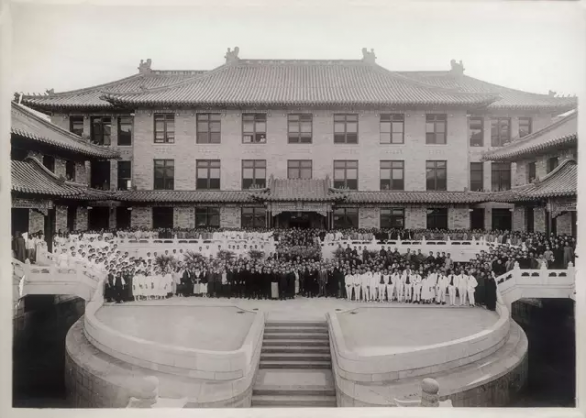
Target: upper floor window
(254,173)
(299,128)
(392,218)
(208,174)
(435,128)
(476,177)
(253,217)
(125,130)
(476,131)
(436,173)
(500,131)
(552,163)
(76,125)
(101,128)
(207,217)
(49,162)
(70,170)
(164,175)
(392,129)
(500,176)
(346,129)
(209,128)
(254,128)
(299,169)
(164,128)
(346,174)
(525,126)
(124,174)
(392,175)
(531,171)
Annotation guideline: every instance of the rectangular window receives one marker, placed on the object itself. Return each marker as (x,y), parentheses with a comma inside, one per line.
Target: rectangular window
(299,169)
(101,127)
(70,170)
(299,128)
(49,163)
(392,175)
(164,128)
(123,216)
(437,218)
(500,131)
(254,128)
(552,163)
(207,175)
(125,131)
(346,174)
(435,129)
(476,177)
(346,129)
(392,129)
(345,218)
(162,217)
(254,173)
(253,217)
(71,217)
(531,171)
(124,174)
(209,128)
(207,217)
(76,125)
(476,132)
(501,176)
(164,175)
(525,126)
(436,173)
(392,218)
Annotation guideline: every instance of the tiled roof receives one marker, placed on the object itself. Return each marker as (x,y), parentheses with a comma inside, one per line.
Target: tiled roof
(31,177)
(308,190)
(508,98)
(184,196)
(29,125)
(90,97)
(563,181)
(302,83)
(400,197)
(559,133)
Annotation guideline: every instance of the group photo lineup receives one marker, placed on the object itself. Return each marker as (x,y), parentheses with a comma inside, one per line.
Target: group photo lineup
(358,225)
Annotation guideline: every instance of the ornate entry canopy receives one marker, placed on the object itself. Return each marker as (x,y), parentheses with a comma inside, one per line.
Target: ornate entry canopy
(560,205)
(322,208)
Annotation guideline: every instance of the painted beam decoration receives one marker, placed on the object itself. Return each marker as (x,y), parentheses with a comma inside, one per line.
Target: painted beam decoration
(32,203)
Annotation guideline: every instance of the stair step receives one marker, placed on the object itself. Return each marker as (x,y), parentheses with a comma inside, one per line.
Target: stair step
(288,343)
(295,336)
(276,401)
(295,357)
(296,349)
(290,364)
(296,391)
(302,330)
(312,324)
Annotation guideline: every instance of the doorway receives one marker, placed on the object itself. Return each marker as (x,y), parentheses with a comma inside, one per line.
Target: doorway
(20,220)
(303,220)
(122,217)
(501,219)
(477,218)
(99,218)
(529,220)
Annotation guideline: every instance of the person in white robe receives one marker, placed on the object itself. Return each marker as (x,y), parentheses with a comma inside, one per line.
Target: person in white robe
(471,285)
(393,285)
(374,285)
(453,282)
(357,284)
(366,279)
(417,285)
(442,287)
(168,283)
(463,287)
(349,281)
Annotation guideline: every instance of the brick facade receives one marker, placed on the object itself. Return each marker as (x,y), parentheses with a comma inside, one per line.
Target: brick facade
(36,221)
(184,217)
(81,219)
(415,218)
(540,219)
(564,223)
(230,216)
(141,217)
(61,218)
(369,217)
(519,223)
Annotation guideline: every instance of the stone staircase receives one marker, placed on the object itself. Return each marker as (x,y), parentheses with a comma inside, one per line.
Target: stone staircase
(295,366)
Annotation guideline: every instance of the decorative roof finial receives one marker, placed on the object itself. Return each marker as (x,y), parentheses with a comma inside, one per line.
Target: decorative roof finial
(552,93)
(457,67)
(232,56)
(49,92)
(368,57)
(145,67)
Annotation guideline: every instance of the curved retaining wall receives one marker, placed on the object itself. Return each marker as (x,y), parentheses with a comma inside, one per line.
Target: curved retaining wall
(104,367)
(377,380)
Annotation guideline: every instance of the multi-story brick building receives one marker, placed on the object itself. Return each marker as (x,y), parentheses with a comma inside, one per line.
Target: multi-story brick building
(303,142)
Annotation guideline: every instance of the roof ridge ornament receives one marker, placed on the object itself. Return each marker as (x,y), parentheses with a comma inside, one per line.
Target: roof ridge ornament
(368,56)
(552,93)
(232,56)
(49,92)
(145,66)
(457,67)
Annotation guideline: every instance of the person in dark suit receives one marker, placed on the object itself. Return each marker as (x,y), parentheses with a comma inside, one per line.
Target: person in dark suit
(119,287)
(109,287)
(290,283)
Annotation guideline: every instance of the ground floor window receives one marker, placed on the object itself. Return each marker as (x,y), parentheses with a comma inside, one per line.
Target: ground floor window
(437,218)
(123,217)
(477,218)
(392,218)
(20,220)
(207,217)
(345,218)
(163,217)
(502,219)
(98,218)
(71,217)
(529,219)
(253,217)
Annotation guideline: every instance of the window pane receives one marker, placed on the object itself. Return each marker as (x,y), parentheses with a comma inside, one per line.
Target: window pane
(339,127)
(339,174)
(397,174)
(306,173)
(248,173)
(261,127)
(352,127)
(385,173)
(292,173)
(339,164)
(429,127)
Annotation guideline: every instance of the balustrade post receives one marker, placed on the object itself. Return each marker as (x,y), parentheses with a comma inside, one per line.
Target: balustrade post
(543,273)
(571,272)
(429,393)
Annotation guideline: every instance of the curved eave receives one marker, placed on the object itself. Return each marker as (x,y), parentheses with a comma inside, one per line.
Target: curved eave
(565,142)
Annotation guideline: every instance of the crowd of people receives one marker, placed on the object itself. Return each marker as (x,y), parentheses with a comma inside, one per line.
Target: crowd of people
(296,268)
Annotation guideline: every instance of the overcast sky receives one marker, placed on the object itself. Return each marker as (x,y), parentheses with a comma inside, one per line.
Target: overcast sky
(532,46)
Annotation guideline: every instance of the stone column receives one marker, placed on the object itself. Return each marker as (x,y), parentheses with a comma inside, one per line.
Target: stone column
(429,393)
